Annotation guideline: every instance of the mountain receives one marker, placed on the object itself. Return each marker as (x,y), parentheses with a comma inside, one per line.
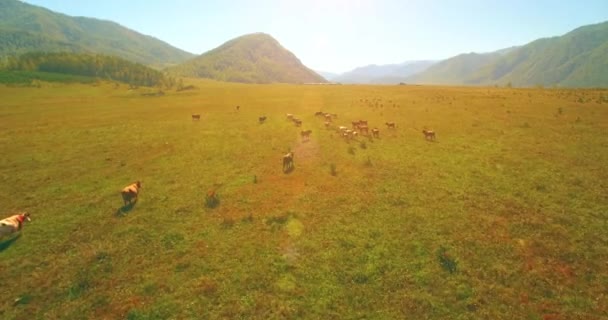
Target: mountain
(252,58)
(455,69)
(27,28)
(327,75)
(576,59)
(383,74)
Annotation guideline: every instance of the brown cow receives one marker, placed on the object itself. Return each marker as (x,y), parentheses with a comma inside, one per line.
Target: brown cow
(390,125)
(297,122)
(13,224)
(363,129)
(262,119)
(196,117)
(305,134)
(130,192)
(429,134)
(376,133)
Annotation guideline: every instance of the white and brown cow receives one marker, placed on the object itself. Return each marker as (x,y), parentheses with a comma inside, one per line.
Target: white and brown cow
(13,224)
(376,133)
(130,192)
(288,161)
(429,134)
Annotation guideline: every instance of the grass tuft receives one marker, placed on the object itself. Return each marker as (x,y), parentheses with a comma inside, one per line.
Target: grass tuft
(212,200)
(447,262)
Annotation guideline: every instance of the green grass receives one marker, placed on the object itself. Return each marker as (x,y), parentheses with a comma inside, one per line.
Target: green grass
(494,220)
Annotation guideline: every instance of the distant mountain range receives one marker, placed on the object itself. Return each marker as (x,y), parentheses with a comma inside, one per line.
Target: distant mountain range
(26,28)
(576,59)
(252,58)
(382,74)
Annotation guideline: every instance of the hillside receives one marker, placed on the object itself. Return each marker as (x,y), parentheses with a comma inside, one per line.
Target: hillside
(383,74)
(85,65)
(576,59)
(26,28)
(455,69)
(252,58)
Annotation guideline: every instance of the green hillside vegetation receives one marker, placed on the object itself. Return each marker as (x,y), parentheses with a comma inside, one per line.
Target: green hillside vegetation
(25,28)
(576,59)
(253,58)
(453,70)
(504,216)
(96,66)
(35,78)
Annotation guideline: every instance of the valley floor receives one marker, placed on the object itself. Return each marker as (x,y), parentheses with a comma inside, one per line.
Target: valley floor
(502,217)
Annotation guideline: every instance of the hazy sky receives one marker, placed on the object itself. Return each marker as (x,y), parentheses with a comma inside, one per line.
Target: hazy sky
(338,35)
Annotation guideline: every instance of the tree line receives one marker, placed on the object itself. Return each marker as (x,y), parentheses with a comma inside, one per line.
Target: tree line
(89,65)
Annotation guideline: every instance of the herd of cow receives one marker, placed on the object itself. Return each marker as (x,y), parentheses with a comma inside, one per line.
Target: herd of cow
(359,127)
(13,224)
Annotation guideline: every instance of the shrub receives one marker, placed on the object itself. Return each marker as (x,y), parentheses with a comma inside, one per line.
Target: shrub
(212,199)
(446,261)
(332,169)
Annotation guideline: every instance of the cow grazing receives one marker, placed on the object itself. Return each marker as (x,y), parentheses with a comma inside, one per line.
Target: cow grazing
(288,161)
(262,119)
(196,117)
(305,134)
(13,224)
(328,117)
(289,116)
(363,129)
(297,122)
(130,192)
(319,113)
(390,125)
(342,128)
(429,134)
(327,124)
(376,133)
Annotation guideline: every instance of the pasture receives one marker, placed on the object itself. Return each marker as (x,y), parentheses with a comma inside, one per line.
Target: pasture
(503,216)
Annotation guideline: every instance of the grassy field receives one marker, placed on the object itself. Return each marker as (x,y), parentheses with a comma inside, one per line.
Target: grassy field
(503,217)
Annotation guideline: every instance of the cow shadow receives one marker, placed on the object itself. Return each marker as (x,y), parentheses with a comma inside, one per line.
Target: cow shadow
(125,209)
(7,243)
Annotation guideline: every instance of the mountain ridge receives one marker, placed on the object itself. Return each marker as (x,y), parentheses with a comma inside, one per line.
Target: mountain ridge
(27,28)
(578,58)
(250,58)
